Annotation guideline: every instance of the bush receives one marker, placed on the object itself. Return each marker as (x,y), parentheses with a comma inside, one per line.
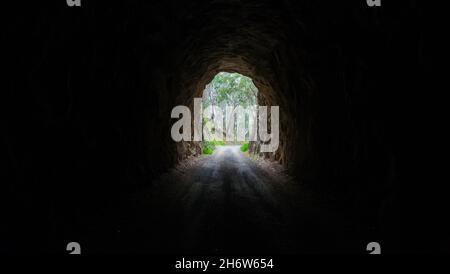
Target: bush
(208,147)
(244,147)
(218,143)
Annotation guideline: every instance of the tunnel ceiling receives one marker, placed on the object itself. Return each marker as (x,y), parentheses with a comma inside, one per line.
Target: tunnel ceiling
(237,36)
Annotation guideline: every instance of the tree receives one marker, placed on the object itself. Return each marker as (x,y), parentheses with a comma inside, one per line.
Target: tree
(230,89)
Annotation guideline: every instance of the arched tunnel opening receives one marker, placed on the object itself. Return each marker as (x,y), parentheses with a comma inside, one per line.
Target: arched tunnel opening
(230,103)
(90,158)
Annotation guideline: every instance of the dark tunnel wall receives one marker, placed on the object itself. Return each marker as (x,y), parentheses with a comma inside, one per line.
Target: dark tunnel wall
(91,90)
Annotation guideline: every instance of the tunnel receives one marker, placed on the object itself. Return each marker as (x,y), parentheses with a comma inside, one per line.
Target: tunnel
(88,127)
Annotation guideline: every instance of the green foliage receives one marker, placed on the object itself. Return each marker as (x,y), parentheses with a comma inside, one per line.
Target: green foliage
(244,147)
(218,143)
(230,89)
(209,147)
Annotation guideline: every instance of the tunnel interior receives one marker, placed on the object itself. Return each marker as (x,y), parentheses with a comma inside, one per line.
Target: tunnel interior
(229,111)
(93,88)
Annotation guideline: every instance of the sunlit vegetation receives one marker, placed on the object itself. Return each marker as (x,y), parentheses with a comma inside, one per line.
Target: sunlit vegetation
(244,147)
(209,147)
(227,90)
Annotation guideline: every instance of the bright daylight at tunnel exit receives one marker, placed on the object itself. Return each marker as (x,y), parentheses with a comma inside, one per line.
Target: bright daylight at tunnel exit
(220,135)
(227,114)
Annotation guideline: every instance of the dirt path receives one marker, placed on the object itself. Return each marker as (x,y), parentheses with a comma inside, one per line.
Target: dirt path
(226,203)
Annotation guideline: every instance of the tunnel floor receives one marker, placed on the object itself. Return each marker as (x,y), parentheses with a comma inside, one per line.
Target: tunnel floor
(229,203)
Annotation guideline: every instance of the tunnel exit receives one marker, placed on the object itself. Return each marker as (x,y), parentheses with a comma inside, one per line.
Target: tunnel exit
(224,124)
(228,114)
